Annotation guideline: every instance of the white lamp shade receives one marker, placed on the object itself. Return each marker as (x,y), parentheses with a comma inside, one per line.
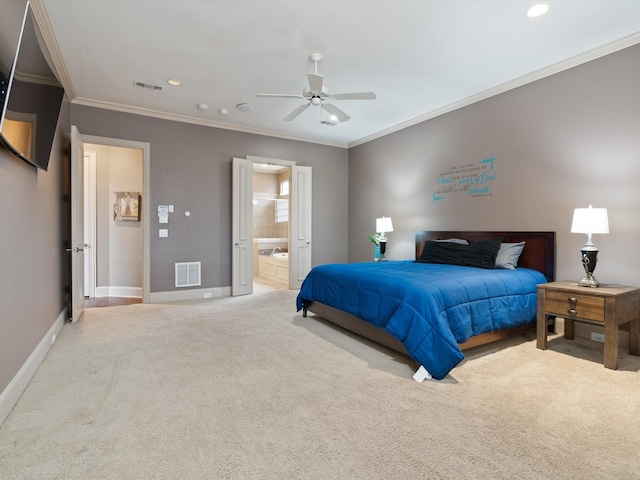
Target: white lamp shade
(384,225)
(590,220)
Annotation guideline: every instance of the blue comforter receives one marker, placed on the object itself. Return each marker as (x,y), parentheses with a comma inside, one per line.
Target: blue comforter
(430,308)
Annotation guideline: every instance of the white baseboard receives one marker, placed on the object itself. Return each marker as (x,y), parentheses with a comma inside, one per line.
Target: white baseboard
(128,292)
(584,330)
(10,396)
(190,294)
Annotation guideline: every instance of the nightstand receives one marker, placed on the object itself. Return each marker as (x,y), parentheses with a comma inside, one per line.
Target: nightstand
(609,306)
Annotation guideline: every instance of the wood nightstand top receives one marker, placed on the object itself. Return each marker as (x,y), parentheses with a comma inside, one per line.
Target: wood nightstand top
(604,290)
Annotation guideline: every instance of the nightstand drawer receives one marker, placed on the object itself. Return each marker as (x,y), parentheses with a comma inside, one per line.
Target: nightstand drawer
(575,305)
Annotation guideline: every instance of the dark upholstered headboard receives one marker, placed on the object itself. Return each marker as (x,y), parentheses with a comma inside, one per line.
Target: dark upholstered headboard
(539,251)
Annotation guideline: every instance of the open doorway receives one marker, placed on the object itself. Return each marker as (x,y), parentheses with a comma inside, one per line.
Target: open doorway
(113,229)
(298,243)
(270,226)
(116,195)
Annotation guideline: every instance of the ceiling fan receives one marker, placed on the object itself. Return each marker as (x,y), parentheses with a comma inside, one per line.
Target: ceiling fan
(316,94)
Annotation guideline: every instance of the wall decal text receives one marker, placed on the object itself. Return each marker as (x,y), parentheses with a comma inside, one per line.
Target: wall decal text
(474,179)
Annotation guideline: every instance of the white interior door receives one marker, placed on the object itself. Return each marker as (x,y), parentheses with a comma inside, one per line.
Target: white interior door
(299,226)
(76,249)
(242,228)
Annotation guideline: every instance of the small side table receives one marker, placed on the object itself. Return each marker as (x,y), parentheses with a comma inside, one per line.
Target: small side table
(608,305)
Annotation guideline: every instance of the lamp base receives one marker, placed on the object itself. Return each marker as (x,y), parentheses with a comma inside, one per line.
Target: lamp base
(589,281)
(383,249)
(589,260)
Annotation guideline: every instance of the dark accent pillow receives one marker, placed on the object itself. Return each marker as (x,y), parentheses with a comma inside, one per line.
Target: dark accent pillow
(461,241)
(480,254)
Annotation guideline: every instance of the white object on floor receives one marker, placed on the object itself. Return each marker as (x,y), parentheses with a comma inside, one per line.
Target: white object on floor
(422,374)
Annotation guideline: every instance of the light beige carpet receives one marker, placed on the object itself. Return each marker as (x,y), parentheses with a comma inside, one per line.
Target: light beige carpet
(245,388)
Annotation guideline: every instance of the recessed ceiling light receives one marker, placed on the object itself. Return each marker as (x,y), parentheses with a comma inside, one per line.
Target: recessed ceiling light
(174,81)
(244,107)
(538,10)
(223,111)
(203,106)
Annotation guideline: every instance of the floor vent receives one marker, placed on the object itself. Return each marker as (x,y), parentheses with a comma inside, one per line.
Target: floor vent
(188,274)
(147,86)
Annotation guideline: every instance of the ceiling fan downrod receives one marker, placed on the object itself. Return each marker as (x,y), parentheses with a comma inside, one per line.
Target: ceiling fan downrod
(315,58)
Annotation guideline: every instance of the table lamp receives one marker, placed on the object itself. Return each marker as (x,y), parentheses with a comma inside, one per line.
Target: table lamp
(589,220)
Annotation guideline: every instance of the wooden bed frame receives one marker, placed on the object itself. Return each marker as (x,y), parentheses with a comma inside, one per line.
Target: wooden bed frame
(538,253)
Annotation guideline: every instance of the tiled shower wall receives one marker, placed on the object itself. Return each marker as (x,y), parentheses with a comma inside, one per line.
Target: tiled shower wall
(264,217)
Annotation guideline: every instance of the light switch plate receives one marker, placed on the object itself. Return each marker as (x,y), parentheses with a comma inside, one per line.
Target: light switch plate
(170,208)
(164,232)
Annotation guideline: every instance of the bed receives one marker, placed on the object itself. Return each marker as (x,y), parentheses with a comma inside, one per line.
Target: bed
(433,311)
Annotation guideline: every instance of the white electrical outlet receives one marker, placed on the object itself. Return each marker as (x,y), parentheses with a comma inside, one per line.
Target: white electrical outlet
(597,337)
(207,295)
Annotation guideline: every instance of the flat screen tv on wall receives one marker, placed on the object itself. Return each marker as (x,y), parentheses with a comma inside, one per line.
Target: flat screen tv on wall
(30,94)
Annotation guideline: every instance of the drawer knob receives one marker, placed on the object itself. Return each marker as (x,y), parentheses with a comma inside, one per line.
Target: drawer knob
(572,311)
(572,300)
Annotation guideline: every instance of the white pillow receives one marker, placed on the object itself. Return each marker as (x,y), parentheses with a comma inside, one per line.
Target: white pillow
(508,255)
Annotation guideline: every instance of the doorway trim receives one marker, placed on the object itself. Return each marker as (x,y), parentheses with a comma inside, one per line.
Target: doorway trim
(89,158)
(271,161)
(146,203)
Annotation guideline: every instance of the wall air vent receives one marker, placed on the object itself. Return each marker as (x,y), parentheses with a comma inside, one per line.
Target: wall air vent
(147,86)
(188,274)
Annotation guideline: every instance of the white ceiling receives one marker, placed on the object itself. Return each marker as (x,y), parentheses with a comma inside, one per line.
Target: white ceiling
(421,58)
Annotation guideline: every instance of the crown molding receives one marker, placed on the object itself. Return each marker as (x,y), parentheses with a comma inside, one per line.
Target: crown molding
(196,121)
(42,19)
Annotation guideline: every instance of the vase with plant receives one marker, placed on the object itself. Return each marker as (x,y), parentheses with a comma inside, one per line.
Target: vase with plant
(375,239)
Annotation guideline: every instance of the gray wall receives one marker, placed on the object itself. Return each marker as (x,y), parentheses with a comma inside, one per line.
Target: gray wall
(33,236)
(125,238)
(191,169)
(566,141)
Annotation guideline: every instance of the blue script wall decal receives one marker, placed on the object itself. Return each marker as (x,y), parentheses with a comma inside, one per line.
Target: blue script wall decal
(474,179)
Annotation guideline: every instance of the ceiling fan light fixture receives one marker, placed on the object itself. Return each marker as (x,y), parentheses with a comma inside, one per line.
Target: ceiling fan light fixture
(316,93)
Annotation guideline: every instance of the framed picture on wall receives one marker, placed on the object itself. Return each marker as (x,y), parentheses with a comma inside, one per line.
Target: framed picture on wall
(126,207)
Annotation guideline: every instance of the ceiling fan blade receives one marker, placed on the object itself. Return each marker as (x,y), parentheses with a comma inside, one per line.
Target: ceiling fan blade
(354,96)
(315,82)
(279,95)
(333,110)
(296,112)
